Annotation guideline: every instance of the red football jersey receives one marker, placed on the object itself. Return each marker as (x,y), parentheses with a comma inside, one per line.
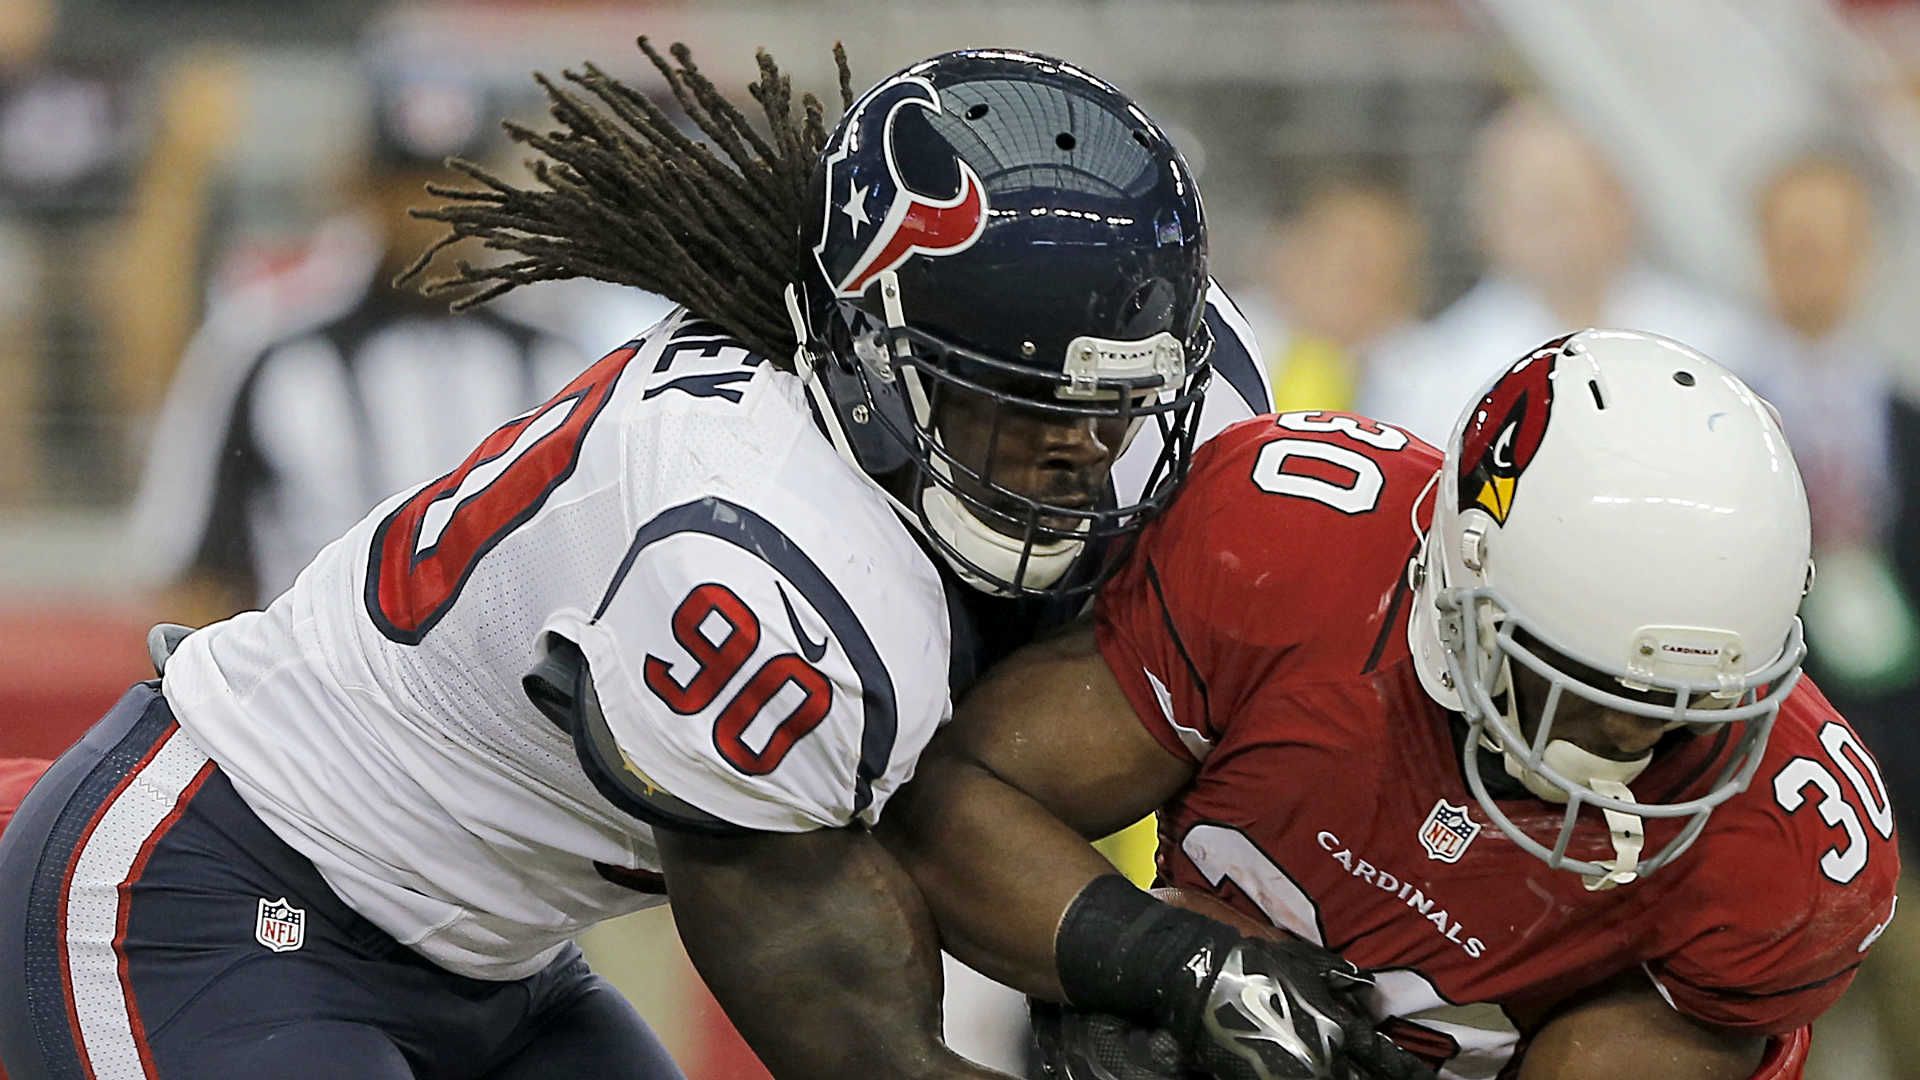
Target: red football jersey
(1260,630)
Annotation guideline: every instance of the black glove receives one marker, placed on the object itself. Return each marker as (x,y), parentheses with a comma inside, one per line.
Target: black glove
(1284,1010)
(1242,1008)
(1075,1044)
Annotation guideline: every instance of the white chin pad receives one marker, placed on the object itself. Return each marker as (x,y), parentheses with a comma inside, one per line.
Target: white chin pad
(1580,766)
(991,551)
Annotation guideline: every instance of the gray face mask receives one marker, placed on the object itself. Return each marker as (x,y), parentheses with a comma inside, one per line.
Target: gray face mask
(1477,632)
(1605,776)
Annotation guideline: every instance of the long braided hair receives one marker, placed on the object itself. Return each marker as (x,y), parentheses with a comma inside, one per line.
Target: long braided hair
(630,199)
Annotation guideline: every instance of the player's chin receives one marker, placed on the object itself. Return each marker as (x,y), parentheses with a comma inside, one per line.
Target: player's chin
(1215,908)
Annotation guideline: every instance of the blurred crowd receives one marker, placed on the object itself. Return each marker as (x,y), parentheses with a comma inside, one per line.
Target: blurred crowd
(216,347)
(1338,314)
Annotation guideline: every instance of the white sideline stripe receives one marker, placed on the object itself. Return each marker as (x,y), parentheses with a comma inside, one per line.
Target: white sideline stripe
(91,906)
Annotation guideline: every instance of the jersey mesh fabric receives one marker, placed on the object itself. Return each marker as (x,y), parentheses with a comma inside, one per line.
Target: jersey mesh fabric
(443,807)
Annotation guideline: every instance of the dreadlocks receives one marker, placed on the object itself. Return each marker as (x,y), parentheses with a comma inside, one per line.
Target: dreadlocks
(629,199)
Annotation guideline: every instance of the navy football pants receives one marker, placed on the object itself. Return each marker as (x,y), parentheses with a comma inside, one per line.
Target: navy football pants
(152,927)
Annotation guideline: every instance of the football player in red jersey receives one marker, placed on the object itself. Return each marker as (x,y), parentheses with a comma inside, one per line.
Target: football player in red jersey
(1533,753)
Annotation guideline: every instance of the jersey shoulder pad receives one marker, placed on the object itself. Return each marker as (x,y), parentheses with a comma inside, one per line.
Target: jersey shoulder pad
(772,669)
(561,686)
(1283,557)
(1790,885)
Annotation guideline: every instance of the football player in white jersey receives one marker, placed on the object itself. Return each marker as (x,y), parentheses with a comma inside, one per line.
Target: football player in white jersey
(683,629)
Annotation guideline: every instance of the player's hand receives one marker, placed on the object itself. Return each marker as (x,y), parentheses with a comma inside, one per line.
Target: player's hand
(1077,1044)
(1080,1044)
(1285,1010)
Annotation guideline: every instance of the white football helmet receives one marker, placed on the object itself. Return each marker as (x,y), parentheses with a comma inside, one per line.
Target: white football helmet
(1632,506)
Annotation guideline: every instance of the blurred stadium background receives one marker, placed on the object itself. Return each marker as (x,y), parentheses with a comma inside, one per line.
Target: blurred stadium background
(1404,194)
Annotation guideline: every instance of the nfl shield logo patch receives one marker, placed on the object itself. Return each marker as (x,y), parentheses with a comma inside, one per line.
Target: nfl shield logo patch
(1447,832)
(280,926)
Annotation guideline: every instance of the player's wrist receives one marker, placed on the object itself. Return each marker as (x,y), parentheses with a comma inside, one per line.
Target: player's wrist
(1120,951)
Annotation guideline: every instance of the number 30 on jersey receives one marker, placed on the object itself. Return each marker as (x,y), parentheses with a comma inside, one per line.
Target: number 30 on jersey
(1325,471)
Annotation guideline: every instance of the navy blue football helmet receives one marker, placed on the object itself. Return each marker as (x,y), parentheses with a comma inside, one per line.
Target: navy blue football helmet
(1003,229)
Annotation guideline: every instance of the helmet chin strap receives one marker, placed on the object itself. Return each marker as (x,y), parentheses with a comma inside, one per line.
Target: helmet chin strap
(804,365)
(1604,776)
(1628,838)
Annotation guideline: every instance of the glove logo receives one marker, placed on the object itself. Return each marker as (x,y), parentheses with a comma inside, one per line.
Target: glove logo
(1257,1000)
(874,219)
(1247,1009)
(1200,965)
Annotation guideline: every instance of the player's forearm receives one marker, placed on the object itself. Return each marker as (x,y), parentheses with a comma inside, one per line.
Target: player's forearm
(1043,753)
(820,951)
(997,870)
(1624,1029)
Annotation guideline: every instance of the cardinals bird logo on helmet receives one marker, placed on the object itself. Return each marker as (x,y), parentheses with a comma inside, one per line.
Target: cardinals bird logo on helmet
(1504,432)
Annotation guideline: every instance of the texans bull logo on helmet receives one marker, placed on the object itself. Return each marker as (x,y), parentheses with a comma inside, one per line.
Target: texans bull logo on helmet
(1505,430)
(876,220)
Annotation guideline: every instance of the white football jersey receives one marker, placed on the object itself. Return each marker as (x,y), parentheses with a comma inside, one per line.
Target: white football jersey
(767,641)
